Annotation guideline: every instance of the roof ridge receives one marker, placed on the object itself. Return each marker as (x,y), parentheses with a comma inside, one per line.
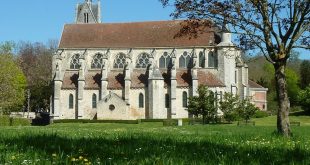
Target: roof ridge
(133,22)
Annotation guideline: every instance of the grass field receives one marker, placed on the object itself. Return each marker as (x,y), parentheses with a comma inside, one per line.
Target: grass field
(151,143)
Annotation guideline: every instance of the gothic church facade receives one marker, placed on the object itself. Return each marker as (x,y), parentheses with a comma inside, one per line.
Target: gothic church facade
(139,70)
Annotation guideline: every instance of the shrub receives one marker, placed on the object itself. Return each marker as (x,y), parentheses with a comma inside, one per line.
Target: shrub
(229,106)
(4,121)
(21,122)
(261,114)
(296,109)
(7,121)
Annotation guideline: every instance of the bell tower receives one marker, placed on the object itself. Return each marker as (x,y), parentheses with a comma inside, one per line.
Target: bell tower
(88,12)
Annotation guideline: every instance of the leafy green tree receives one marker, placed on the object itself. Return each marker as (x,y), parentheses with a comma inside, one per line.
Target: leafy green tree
(304,98)
(246,110)
(292,80)
(305,73)
(229,106)
(12,85)
(203,104)
(273,27)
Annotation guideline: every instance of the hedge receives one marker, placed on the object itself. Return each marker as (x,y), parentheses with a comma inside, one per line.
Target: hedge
(96,121)
(152,120)
(261,114)
(10,121)
(170,122)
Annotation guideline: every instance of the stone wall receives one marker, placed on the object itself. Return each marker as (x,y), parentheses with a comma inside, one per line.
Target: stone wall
(225,72)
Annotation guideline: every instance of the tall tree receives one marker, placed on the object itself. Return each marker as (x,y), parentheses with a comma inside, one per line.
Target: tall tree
(12,85)
(274,27)
(305,73)
(36,62)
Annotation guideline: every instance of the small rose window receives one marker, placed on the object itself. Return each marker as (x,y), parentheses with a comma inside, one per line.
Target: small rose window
(111,107)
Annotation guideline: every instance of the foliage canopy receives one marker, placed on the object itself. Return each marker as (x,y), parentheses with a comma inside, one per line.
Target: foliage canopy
(12,85)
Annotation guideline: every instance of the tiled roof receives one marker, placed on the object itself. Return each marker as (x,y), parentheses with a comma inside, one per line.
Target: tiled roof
(70,80)
(93,80)
(139,79)
(209,79)
(184,78)
(253,84)
(116,80)
(132,35)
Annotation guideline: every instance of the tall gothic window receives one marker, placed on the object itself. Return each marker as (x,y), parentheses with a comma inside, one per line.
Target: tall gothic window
(94,101)
(97,62)
(202,59)
(167,101)
(141,100)
(165,60)
(74,64)
(71,101)
(120,61)
(184,99)
(212,60)
(86,18)
(143,60)
(185,60)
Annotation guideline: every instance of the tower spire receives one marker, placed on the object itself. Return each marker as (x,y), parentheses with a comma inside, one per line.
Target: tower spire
(88,12)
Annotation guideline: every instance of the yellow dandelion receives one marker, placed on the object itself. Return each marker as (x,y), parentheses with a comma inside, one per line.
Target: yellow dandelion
(72,159)
(85,160)
(81,157)
(13,157)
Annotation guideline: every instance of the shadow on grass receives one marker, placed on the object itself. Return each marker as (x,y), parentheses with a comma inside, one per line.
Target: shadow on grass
(300,113)
(141,149)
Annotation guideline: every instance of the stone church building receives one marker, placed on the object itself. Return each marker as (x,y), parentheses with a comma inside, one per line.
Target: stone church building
(139,70)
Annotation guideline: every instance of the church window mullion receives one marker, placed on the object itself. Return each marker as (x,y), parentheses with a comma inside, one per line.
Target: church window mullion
(74,64)
(142,61)
(97,62)
(120,61)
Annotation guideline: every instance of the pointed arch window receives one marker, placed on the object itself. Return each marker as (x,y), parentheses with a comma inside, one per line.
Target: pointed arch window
(202,59)
(141,100)
(185,60)
(94,101)
(86,18)
(184,99)
(97,62)
(165,60)
(143,60)
(212,60)
(75,62)
(120,61)
(167,101)
(71,101)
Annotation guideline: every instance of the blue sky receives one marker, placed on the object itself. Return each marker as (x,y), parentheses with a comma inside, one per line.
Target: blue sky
(41,20)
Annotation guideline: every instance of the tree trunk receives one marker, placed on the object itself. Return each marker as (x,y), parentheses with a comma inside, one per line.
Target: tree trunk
(283,123)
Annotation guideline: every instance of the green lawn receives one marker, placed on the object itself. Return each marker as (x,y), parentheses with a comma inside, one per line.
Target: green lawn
(151,143)
(272,120)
